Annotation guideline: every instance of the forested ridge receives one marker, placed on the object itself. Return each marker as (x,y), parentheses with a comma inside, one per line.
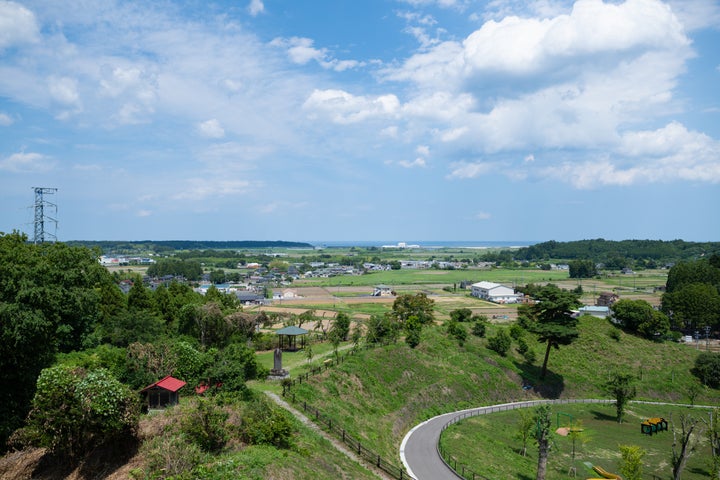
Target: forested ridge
(164,245)
(601,250)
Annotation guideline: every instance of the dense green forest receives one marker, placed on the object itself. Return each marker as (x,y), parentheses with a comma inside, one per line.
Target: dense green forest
(165,246)
(618,253)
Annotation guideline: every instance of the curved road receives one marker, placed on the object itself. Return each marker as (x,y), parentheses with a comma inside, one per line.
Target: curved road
(419,449)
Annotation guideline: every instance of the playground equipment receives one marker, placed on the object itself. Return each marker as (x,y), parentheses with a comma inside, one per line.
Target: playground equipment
(653,425)
(565,431)
(602,472)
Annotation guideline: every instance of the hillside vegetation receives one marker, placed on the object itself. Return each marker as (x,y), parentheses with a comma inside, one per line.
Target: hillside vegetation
(379,394)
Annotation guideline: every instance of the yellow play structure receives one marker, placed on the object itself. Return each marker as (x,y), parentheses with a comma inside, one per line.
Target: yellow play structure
(604,475)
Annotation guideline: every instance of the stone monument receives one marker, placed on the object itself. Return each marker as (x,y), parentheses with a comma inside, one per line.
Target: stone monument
(278,373)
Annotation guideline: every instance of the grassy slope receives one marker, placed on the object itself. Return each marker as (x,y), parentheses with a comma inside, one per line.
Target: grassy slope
(598,443)
(379,394)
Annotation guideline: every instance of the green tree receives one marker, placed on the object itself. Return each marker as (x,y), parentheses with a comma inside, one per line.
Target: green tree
(582,269)
(479,328)
(640,317)
(74,410)
(543,422)
(713,434)
(552,320)
(341,325)
(621,386)
(204,425)
(693,305)
(461,314)
(525,426)
(50,301)
(413,329)
(140,297)
(500,342)
(707,369)
(631,463)
(381,329)
(407,305)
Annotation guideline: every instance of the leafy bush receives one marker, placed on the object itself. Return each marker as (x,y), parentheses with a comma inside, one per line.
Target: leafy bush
(500,343)
(204,425)
(707,369)
(75,409)
(171,456)
(264,424)
(479,328)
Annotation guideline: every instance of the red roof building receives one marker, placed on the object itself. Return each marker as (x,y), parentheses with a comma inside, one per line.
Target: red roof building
(164,392)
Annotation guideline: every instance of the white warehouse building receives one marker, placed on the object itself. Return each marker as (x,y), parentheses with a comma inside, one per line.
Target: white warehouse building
(494,292)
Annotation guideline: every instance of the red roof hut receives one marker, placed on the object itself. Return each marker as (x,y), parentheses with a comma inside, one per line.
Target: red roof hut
(164,392)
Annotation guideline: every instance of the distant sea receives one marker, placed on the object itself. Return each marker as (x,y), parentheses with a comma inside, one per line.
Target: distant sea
(428,244)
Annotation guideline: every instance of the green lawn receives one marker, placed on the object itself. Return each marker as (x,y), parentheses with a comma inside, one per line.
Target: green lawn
(488,446)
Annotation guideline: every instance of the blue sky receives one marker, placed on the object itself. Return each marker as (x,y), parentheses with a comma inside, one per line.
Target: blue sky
(362,120)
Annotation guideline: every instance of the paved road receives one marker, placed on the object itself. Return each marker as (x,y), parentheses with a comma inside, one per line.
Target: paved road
(418,450)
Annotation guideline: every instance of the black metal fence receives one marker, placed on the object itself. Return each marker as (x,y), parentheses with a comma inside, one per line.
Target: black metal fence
(334,427)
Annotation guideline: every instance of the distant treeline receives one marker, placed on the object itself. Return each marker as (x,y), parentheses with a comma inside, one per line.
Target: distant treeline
(172,245)
(601,250)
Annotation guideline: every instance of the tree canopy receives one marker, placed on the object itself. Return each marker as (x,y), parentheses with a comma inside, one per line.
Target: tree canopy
(551,319)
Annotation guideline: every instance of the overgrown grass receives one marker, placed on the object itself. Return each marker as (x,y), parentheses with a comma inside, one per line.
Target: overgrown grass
(487,444)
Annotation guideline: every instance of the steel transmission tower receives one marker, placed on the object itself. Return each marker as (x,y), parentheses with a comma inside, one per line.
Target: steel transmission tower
(41,217)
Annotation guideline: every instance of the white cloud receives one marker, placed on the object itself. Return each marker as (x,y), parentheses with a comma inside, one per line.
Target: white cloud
(197,189)
(211,129)
(483,216)
(465,170)
(665,155)
(64,90)
(418,162)
(343,107)
(17,25)
(256,7)
(5,119)
(144,213)
(26,163)
(301,51)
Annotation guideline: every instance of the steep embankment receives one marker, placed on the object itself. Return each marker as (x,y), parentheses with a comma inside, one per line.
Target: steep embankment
(379,394)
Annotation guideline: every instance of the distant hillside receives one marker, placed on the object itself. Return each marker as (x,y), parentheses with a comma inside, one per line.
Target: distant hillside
(608,251)
(168,245)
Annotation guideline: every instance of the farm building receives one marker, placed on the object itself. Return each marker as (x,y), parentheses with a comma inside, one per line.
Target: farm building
(382,291)
(494,292)
(164,392)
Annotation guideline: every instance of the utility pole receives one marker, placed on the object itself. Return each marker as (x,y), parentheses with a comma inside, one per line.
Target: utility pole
(41,216)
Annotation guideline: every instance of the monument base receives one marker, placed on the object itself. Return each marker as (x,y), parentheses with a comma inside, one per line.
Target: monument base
(278,374)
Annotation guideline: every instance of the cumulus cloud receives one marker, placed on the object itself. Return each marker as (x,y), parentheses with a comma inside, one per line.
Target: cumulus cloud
(17,25)
(5,119)
(300,51)
(64,90)
(256,7)
(664,155)
(26,163)
(483,216)
(343,107)
(211,129)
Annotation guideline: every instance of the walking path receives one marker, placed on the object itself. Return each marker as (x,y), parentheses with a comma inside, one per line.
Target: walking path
(335,443)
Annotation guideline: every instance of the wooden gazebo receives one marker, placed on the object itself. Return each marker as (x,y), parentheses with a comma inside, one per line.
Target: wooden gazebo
(287,337)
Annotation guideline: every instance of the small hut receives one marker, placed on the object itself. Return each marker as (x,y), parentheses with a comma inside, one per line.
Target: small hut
(288,336)
(164,392)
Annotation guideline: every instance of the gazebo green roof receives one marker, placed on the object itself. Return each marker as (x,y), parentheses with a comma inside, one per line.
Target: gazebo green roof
(292,330)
